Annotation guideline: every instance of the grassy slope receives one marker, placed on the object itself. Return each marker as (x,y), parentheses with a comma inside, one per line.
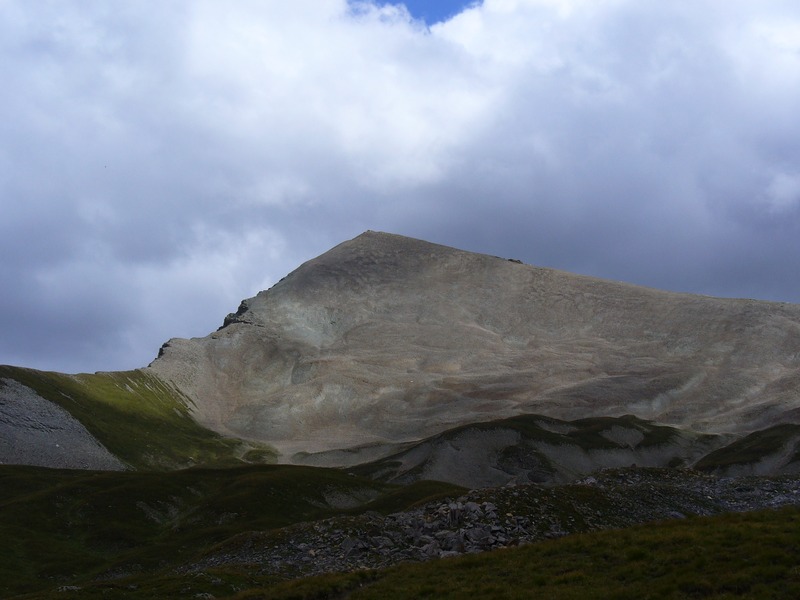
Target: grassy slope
(139,419)
(65,527)
(754,447)
(61,527)
(751,555)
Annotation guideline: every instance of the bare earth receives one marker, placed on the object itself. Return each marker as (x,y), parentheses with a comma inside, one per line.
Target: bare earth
(385,340)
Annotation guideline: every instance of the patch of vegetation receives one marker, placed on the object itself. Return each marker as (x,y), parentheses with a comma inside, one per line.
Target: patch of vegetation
(731,556)
(752,447)
(64,527)
(139,419)
(751,555)
(412,495)
(654,435)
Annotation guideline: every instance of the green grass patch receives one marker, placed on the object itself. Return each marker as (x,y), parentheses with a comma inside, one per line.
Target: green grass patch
(412,495)
(751,555)
(64,528)
(751,448)
(138,418)
(60,527)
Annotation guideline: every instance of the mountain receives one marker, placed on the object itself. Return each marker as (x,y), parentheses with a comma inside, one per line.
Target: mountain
(413,360)
(386,340)
(418,370)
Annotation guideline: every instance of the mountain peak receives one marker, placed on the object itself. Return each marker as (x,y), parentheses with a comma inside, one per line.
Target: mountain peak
(385,339)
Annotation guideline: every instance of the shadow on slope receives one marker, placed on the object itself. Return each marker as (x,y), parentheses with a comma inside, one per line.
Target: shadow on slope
(751,555)
(61,527)
(539,449)
(769,451)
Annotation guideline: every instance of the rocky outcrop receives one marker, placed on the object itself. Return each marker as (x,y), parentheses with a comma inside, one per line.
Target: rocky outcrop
(385,341)
(488,519)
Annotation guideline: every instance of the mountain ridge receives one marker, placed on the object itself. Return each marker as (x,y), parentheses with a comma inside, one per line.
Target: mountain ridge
(405,357)
(386,339)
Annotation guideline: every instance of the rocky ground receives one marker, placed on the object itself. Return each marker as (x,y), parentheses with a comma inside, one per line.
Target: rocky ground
(34,431)
(487,519)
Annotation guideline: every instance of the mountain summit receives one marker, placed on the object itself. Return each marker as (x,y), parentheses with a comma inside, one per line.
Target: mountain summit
(385,340)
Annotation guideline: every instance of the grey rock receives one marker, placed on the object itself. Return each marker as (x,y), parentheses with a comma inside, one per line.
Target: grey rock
(35,431)
(630,496)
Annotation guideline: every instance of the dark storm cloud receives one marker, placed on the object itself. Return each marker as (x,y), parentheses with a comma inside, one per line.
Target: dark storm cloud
(158,167)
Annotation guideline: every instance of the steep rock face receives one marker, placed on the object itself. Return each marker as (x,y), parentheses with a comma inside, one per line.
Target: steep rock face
(385,339)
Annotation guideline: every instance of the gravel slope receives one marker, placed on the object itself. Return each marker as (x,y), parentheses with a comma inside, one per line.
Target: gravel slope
(34,431)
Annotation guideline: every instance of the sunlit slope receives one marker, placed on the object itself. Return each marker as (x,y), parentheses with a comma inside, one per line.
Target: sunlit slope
(120,420)
(386,340)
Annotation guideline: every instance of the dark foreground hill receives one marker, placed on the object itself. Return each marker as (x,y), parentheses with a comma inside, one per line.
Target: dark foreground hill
(260,532)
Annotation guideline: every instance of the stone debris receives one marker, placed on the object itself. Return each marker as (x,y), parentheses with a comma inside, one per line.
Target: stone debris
(488,519)
(35,431)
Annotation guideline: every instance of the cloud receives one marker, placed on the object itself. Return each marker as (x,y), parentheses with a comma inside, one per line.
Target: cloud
(783,192)
(159,165)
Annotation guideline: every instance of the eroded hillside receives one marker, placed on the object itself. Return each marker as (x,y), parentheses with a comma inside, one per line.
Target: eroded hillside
(386,340)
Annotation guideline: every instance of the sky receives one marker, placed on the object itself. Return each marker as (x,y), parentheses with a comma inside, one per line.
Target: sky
(160,162)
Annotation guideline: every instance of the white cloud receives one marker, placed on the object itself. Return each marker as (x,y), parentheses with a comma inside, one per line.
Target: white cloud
(148,154)
(766,49)
(375,89)
(783,193)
